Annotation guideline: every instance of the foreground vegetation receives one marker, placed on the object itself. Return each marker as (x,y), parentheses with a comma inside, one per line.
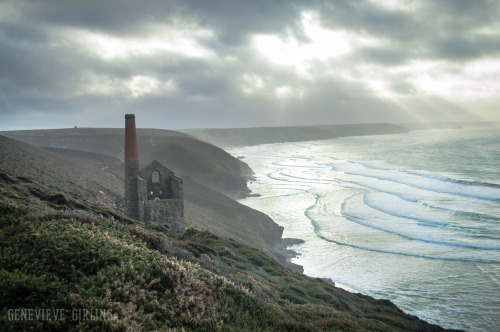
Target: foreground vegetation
(61,252)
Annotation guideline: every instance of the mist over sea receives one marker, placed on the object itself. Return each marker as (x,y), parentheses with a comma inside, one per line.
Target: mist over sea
(414,218)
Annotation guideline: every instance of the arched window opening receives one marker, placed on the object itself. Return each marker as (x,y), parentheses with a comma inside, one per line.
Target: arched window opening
(155,177)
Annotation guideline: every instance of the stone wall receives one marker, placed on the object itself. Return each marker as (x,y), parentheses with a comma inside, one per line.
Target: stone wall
(177,187)
(169,212)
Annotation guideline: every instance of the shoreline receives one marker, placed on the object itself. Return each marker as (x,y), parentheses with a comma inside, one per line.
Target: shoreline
(451,320)
(283,250)
(289,243)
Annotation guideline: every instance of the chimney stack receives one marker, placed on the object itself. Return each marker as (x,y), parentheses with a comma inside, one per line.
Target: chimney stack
(131,168)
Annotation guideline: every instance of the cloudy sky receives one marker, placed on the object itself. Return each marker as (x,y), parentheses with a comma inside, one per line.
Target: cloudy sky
(242,63)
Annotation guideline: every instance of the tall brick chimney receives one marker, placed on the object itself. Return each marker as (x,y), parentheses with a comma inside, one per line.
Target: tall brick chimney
(131,168)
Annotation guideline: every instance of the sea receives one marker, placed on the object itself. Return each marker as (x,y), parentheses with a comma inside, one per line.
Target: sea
(413,218)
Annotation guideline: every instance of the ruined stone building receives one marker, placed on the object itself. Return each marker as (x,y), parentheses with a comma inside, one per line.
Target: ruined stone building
(153,193)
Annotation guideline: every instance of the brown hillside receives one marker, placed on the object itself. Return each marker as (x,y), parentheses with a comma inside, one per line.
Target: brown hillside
(180,152)
(85,174)
(56,171)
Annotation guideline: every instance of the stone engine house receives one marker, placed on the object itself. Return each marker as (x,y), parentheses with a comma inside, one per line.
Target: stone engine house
(160,196)
(153,193)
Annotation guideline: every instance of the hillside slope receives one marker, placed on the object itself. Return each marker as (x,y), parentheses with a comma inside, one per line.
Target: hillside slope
(108,141)
(205,163)
(84,179)
(182,153)
(99,178)
(64,253)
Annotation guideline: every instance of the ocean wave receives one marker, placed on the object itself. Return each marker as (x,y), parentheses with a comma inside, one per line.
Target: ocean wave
(426,181)
(483,217)
(478,225)
(355,210)
(403,231)
(283,164)
(474,192)
(432,176)
(400,233)
(393,252)
(298,179)
(398,207)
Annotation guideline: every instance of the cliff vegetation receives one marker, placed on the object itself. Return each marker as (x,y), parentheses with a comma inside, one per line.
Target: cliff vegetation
(60,251)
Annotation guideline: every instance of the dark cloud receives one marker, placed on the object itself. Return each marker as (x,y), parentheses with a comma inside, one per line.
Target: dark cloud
(457,16)
(460,47)
(31,67)
(386,56)
(118,17)
(47,66)
(234,20)
(367,18)
(435,29)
